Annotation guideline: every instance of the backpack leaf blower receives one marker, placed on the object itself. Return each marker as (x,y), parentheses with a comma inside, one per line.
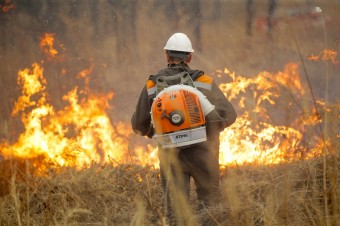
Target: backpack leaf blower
(178,112)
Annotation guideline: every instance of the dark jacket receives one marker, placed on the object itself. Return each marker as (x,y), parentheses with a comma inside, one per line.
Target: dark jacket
(141,119)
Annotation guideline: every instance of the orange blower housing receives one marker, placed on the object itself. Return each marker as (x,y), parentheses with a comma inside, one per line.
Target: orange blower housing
(178,118)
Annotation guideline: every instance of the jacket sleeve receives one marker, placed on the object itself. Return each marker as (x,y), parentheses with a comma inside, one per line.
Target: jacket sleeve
(141,118)
(224,108)
(224,114)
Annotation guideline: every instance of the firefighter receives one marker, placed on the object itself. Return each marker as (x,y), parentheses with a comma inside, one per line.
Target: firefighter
(198,161)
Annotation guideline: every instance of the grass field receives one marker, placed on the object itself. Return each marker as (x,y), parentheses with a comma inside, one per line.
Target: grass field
(285,194)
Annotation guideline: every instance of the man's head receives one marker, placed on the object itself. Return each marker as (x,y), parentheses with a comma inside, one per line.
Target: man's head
(178,49)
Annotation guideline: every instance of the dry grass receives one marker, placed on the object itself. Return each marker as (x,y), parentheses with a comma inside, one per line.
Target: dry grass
(286,194)
(99,195)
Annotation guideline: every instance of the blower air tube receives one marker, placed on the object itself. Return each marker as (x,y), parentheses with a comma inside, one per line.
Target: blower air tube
(207,107)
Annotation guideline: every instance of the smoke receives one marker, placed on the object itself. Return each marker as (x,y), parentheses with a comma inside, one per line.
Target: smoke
(124,40)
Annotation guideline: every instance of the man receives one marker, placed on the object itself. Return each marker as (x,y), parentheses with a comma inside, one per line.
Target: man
(199,161)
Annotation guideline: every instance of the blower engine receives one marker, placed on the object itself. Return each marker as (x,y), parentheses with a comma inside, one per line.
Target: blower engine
(178,112)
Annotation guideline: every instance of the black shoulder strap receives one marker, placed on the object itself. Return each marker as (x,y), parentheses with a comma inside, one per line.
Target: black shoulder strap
(153,78)
(196,74)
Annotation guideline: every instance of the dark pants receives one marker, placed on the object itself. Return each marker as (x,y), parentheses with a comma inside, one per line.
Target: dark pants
(178,166)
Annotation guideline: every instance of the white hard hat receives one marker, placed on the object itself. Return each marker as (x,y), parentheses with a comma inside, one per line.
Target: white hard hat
(179,42)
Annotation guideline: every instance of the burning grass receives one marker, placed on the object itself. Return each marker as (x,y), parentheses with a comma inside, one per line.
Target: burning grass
(283,194)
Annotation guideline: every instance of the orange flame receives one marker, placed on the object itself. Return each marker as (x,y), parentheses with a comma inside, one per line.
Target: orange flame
(326,54)
(47,45)
(82,133)
(254,137)
(78,135)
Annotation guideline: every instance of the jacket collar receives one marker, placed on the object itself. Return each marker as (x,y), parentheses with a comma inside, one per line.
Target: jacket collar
(179,65)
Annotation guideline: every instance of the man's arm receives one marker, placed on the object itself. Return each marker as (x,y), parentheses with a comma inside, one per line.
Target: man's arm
(141,118)
(224,108)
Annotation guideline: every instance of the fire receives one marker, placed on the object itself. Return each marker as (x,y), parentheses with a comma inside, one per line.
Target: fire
(82,133)
(49,133)
(254,138)
(47,45)
(78,135)
(326,54)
